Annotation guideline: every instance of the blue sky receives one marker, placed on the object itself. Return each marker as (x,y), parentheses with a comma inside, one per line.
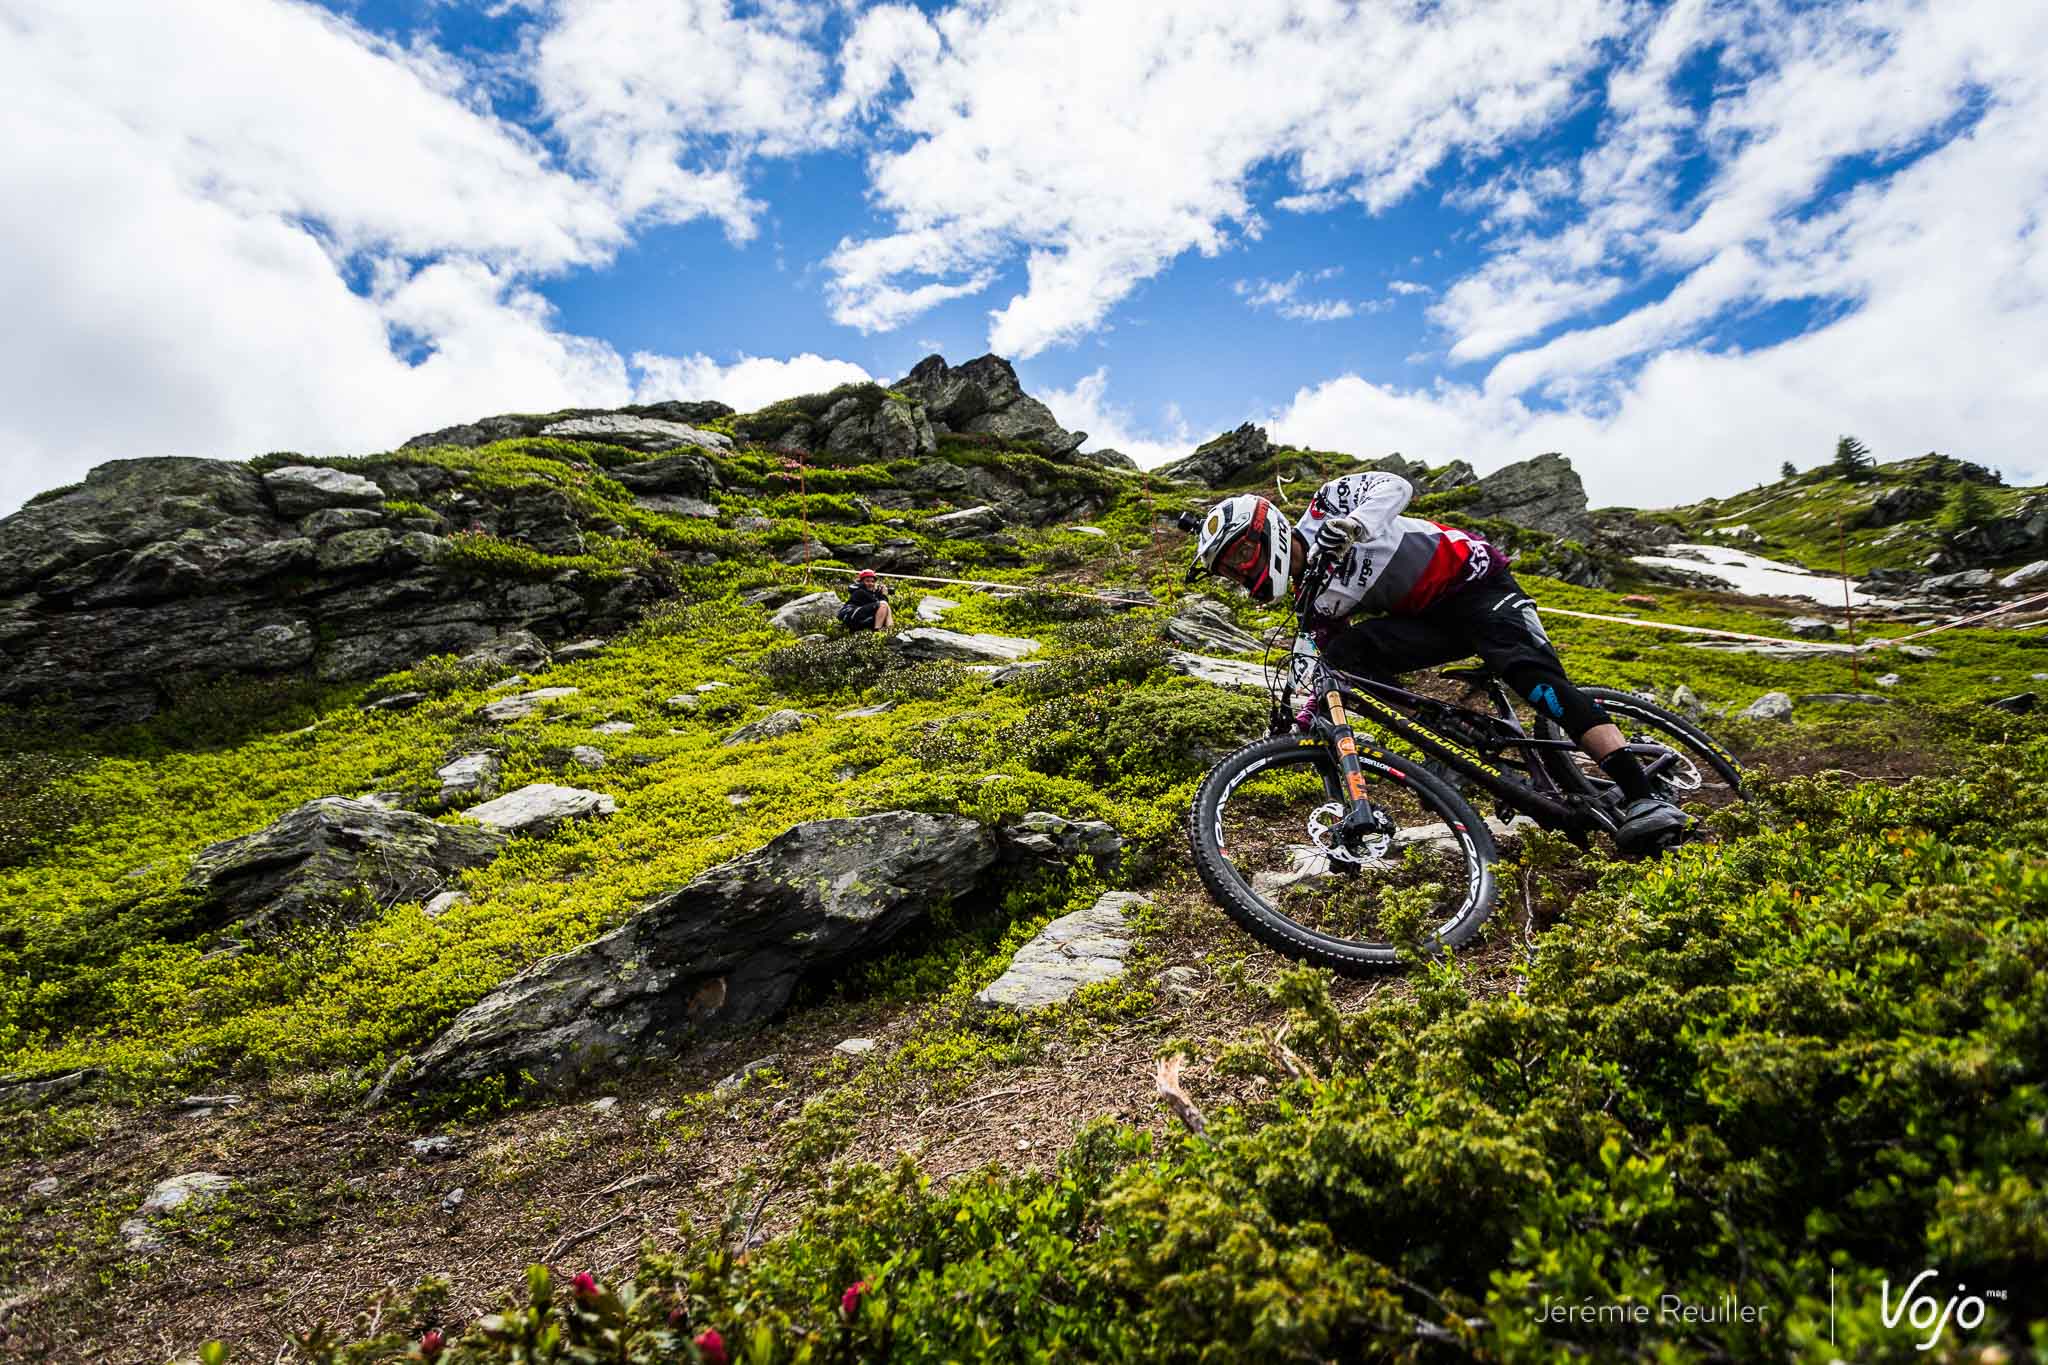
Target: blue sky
(1681,242)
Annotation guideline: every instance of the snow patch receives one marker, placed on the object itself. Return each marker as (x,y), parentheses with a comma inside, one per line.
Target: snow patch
(1755,575)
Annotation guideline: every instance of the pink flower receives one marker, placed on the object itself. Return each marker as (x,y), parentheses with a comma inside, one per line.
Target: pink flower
(712,1345)
(850,1300)
(585,1286)
(431,1344)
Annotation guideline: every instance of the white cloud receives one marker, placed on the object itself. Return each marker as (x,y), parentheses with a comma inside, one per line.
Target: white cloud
(1086,407)
(664,103)
(748,383)
(1405,287)
(206,176)
(1103,141)
(1283,296)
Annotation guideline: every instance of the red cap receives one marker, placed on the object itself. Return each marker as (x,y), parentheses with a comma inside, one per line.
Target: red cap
(865,573)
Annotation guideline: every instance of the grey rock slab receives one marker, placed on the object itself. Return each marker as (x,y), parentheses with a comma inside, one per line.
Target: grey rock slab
(932,643)
(725,951)
(1003,674)
(451,1202)
(316,858)
(1889,680)
(1215,461)
(772,726)
(679,505)
(521,705)
(2032,574)
(1687,703)
(540,807)
(1222,672)
(1959,584)
(967,522)
(443,903)
(440,1147)
(1811,628)
(299,489)
(1770,706)
(580,649)
(815,611)
(1920,652)
(615,727)
(1076,950)
(46,1188)
(1086,530)
(851,1047)
(397,701)
(1845,698)
(934,608)
(880,708)
(641,433)
(682,702)
(587,756)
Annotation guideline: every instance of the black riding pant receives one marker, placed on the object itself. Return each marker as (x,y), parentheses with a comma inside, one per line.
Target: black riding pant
(1494,619)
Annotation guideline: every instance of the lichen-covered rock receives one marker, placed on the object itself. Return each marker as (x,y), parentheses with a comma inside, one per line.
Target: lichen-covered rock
(1770,706)
(815,611)
(1075,950)
(691,475)
(541,808)
(520,649)
(930,642)
(726,951)
(1046,837)
(1204,623)
(469,777)
(333,856)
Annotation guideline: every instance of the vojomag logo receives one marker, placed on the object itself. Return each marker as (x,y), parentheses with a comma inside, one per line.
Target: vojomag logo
(1921,1311)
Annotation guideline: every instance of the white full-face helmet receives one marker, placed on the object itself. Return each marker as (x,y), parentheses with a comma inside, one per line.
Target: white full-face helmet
(1247,540)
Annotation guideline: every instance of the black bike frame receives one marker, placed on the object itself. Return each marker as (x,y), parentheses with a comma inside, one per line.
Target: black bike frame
(1548,805)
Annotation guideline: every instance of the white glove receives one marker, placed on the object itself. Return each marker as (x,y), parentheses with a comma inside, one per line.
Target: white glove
(1337,535)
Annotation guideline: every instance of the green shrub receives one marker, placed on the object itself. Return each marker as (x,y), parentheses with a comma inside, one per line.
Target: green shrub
(1158,732)
(1776,1071)
(39,801)
(846,663)
(1129,660)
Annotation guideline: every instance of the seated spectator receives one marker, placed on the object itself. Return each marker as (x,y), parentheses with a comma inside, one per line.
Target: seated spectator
(867,605)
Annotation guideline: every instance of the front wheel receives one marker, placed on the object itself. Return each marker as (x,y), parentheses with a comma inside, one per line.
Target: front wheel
(1263,832)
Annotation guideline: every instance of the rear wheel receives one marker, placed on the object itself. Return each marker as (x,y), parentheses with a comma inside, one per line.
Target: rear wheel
(1263,832)
(1691,770)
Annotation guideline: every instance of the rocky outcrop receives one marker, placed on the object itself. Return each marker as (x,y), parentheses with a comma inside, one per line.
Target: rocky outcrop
(983,398)
(852,424)
(2004,539)
(724,952)
(334,858)
(514,426)
(1543,494)
(1218,461)
(636,433)
(154,572)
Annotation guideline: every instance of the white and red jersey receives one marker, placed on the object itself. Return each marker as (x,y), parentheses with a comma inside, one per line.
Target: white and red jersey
(1401,565)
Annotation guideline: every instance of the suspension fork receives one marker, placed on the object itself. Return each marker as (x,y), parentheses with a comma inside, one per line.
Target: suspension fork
(1361,816)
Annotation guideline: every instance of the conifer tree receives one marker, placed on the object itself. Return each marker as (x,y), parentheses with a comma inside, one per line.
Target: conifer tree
(1788,471)
(1853,460)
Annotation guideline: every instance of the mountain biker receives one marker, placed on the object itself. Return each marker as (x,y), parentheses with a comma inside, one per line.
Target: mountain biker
(867,604)
(1435,594)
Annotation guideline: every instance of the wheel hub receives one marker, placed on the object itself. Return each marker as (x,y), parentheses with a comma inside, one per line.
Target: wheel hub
(1322,832)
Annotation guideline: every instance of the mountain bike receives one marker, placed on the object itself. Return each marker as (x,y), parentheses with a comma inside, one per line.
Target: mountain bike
(1332,850)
